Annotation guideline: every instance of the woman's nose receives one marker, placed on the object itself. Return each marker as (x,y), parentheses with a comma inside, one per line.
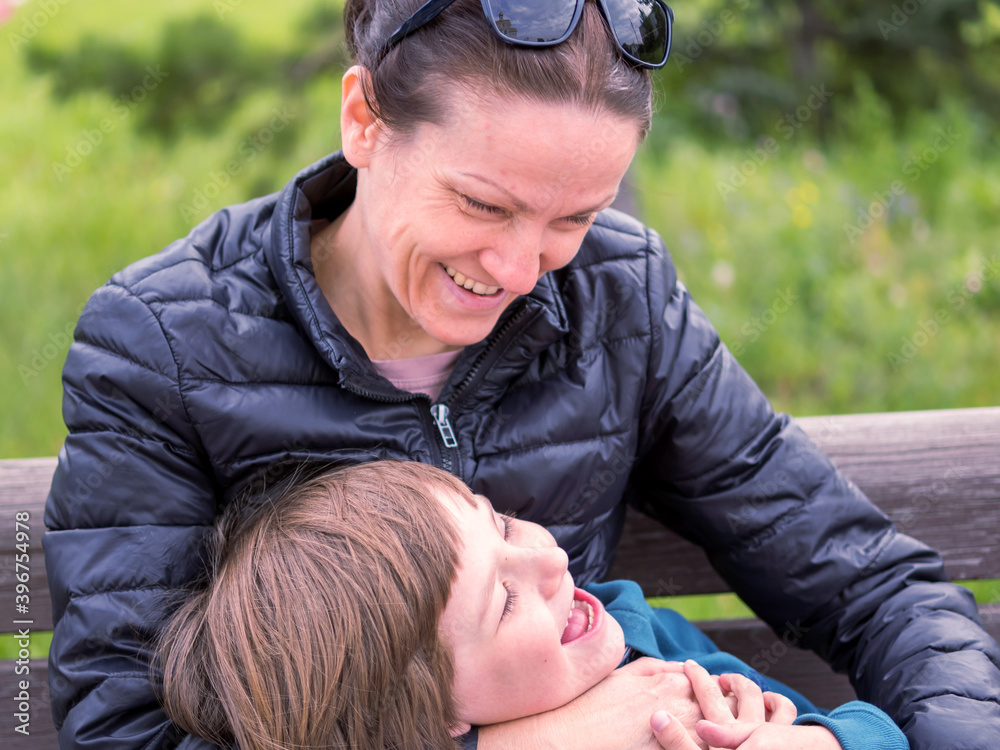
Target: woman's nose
(514,262)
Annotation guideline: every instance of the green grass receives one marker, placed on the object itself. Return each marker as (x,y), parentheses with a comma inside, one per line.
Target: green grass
(730,607)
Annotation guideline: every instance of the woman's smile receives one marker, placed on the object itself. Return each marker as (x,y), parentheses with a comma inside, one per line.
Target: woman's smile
(441,247)
(470,284)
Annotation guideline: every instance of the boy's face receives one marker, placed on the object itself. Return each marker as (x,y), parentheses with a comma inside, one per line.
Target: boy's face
(506,620)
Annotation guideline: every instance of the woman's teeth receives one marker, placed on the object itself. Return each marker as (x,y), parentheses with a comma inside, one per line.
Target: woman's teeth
(465,282)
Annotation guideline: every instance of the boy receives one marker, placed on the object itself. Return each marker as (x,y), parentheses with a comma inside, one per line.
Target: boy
(384,605)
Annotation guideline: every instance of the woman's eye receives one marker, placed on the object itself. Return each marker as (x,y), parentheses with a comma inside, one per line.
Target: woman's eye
(484,207)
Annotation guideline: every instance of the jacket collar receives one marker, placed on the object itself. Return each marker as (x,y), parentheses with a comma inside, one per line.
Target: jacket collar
(324,190)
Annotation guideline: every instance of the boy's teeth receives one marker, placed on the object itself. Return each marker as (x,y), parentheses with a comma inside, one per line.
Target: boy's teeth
(477,287)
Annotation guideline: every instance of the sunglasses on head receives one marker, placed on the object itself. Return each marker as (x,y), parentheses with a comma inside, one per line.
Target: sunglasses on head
(641,28)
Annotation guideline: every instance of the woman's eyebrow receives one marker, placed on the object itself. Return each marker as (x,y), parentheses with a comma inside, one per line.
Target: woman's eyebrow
(526,209)
(515,201)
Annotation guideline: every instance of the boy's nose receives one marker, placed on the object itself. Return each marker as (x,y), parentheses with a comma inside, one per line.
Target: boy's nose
(550,564)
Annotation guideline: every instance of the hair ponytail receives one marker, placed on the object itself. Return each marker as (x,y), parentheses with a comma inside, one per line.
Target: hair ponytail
(357,17)
(457,55)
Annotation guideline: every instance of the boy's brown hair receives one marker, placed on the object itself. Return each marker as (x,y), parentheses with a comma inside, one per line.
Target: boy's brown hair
(319,623)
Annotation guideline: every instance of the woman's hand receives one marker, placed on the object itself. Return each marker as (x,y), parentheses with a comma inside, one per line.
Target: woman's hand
(612,714)
(760,721)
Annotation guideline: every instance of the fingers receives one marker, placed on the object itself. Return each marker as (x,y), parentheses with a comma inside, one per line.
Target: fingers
(670,733)
(647,666)
(713,703)
(750,699)
(724,735)
(780,710)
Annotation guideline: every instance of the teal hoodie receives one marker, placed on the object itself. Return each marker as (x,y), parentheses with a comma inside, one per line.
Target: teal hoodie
(665,634)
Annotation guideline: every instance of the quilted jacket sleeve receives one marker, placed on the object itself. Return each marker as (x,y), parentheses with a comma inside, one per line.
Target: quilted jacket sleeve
(130,504)
(799,542)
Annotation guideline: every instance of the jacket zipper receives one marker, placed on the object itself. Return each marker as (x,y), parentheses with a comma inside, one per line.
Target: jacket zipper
(445,442)
(446,435)
(440,456)
(441,412)
(477,366)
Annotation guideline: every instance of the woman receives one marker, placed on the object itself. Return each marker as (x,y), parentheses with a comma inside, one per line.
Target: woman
(461,230)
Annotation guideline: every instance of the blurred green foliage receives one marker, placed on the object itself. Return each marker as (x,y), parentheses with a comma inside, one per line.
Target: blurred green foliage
(797,171)
(211,69)
(740,66)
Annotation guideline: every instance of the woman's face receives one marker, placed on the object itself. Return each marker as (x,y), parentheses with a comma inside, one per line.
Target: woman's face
(501,193)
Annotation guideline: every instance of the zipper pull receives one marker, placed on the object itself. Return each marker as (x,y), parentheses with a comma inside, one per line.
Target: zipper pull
(440,414)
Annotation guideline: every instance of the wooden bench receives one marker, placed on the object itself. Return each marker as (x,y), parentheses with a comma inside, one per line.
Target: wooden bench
(936,473)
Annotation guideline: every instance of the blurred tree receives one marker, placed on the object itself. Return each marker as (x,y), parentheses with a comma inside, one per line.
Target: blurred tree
(749,64)
(211,70)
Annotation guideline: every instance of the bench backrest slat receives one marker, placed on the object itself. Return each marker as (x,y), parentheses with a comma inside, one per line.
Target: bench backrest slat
(936,474)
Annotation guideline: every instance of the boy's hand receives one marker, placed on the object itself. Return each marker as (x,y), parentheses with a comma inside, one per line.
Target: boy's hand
(761,721)
(612,714)
(767,737)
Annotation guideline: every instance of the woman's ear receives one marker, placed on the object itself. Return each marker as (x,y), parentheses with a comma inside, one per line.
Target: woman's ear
(458,730)
(359,129)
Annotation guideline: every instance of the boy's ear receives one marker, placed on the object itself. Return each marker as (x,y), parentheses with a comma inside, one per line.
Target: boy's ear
(457,730)
(359,129)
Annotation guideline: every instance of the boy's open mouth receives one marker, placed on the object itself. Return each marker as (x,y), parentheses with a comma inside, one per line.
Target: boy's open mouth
(579,621)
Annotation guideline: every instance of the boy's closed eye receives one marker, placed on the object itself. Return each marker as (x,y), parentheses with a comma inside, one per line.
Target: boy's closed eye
(508,606)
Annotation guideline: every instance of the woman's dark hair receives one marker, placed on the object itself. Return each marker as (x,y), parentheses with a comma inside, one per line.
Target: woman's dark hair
(411,84)
(318,624)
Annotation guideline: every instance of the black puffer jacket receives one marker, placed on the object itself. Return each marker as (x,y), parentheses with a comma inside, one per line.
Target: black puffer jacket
(196,368)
